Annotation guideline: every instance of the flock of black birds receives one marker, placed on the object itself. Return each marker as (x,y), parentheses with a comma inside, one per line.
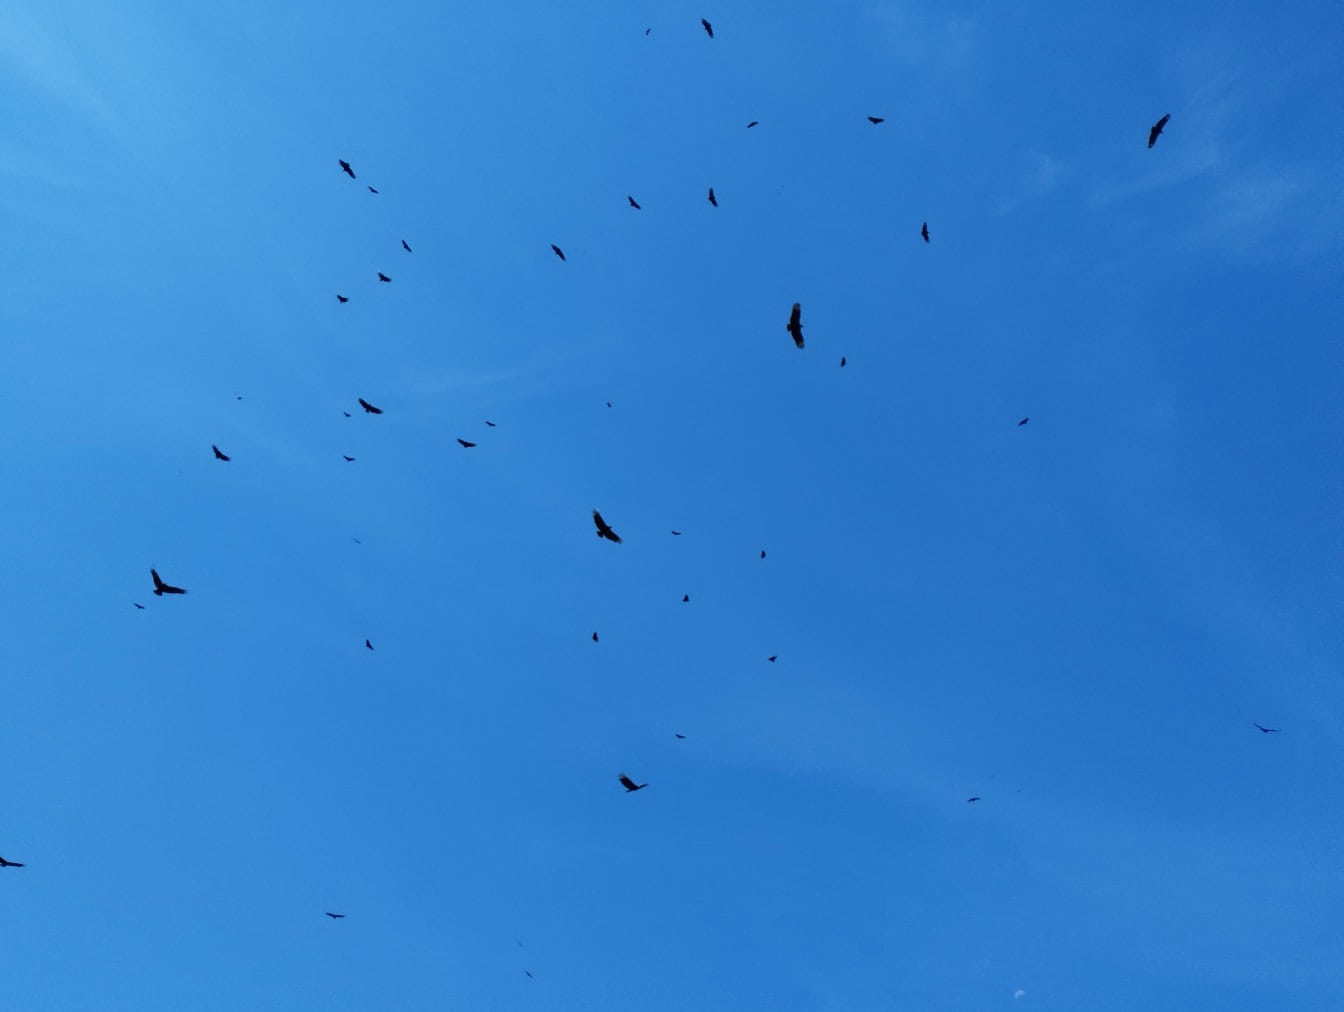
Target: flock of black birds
(603,529)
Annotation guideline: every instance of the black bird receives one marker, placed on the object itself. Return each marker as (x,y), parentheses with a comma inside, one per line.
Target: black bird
(1267,730)
(772,658)
(604,529)
(762,553)
(383,277)
(138,605)
(161,588)
(594,637)
(924,231)
(17,864)
(489,423)
(368,644)
(876,119)
(608,403)
(709,29)
(633,202)
(404,246)
(1156,131)
(346,413)
(529,972)
(795,325)
(341,299)
(842,361)
(372,190)
(685,598)
(369,408)
(345,167)
(334,917)
(752,123)
(712,199)
(348,460)
(465,444)
(647,30)
(677,533)
(682,737)
(1023,422)
(975,798)
(218,455)
(558,251)
(630,785)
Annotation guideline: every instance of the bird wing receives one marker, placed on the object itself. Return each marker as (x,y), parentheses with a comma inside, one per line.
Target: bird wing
(708,27)
(627,783)
(157,582)
(465,443)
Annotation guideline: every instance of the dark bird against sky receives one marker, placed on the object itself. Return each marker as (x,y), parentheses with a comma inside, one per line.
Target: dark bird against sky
(795,324)
(345,167)
(604,529)
(842,361)
(1023,422)
(383,277)
(709,29)
(218,454)
(341,298)
(138,605)
(465,445)
(753,123)
(368,644)
(1267,730)
(334,917)
(161,588)
(10,864)
(633,202)
(369,408)
(713,199)
(489,423)
(348,460)
(372,190)
(404,246)
(1157,129)
(876,119)
(630,785)
(924,231)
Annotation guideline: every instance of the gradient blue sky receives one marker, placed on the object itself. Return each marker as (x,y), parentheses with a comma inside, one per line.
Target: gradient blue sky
(1078,620)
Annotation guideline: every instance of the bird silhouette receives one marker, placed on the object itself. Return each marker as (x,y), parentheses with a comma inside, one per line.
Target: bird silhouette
(346,413)
(604,529)
(529,973)
(677,533)
(713,199)
(384,278)
(1156,130)
(348,460)
(679,737)
(372,190)
(685,598)
(369,408)
(630,785)
(762,553)
(489,423)
(876,119)
(924,231)
(594,637)
(1267,730)
(341,299)
(161,588)
(558,251)
(795,325)
(752,123)
(405,247)
(772,658)
(971,799)
(345,167)
(335,917)
(138,605)
(709,29)
(19,864)
(368,644)
(218,454)
(842,361)
(633,202)
(1023,422)
(465,444)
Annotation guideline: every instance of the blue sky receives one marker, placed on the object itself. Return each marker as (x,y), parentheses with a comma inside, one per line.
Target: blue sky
(1077,620)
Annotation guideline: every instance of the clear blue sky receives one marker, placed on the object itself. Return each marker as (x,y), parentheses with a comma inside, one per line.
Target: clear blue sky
(1078,620)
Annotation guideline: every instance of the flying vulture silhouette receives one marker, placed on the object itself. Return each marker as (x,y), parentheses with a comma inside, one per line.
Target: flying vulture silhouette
(1156,130)
(1023,422)
(772,658)
(1267,730)
(603,528)
(161,588)
(558,251)
(630,785)
(346,413)
(713,199)
(345,167)
(368,644)
(341,299)
(842,361)
(677,533)
(752,123)
(795,325)
(218,454)
(633,202)
(489,423)
(924,231)
(334,917)
(383,277)
(971,799)
(404,246)
(348,460)
(19,864)
(685,598)
(594,637)
(709,29)
(762,553)
(876,119)
(681,737)
(372,190)
(369,408)
(138,605)
(465,444)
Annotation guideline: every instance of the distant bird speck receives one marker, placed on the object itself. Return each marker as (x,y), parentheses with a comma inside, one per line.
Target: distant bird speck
(753,123)
(630,785)
(368,644)
(633,202)
(529,973)
(1267,730)
(876,119)
(713,199)
(346,413)
(608,403)
(558,251)
(1023,422)
(384,278)
(348,460)
(138,605)
(335,917)
(795,324)
(369,408)
(161,588)
(345,167)
(685,598)
(772,658)
(465,445)
(341,299)
(971,799)
(677,533)
(405,247)
(1156,130)
(594,637)
(842,361)
(924,231)
(762,553)
(218,454)
(489,423)
(709,29)
(18,864)
(604,529)
(372,190)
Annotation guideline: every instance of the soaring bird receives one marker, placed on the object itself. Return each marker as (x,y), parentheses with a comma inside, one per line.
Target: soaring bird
(369,408)
(1156,131)
(138,605)
(876,119)
(594,637)
(762,553)
(383,277)
(709,29)
(685,598)
(341,299)
(348,460)
(633,202)
(842,361)
(679,737)
(772,658)
(372,190)
(346,413)
(1267,730)
(345,167)
(404,246)
(558,251)
(971,799)
(712,199)
(465,444)
(161,588)
(334,917)
(18,864)
(677,533)
(489,423)
(368,644)
(1023,422)
(752,123)
(630,785)
(795,325)
(604,529)
(924,231)
(218,454)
